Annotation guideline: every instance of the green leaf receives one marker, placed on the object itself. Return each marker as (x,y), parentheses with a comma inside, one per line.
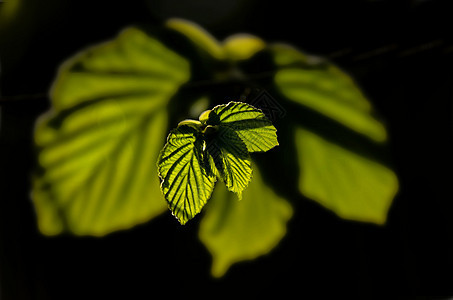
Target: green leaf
(324,88)
(335,164)
(185,184)
(242,46)
(242,128)
(201,38)
(98,146)
(250,124)
(234,231)
(197,151)
(235,48)
(354,187)
(231,159)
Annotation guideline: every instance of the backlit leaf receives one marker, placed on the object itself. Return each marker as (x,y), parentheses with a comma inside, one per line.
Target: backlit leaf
(250,124)
(242,46)
(324,88)
(231,159)
(234,230)
(236,47)
(200,37)
(333,172)
(98,146)
(354,187)
(185,185)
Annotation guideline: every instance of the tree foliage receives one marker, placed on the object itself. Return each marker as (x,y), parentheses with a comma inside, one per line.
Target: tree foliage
(113,105)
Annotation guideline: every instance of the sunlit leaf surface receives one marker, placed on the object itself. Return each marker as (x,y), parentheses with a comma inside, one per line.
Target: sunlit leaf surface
(242,46)
(326,89)
(241,129)
(333,173)
(197,152)
(236,47)
(231,159)
(250,124)
(351,185)
(203,40)
(186,186)
(235,230)
(98,146)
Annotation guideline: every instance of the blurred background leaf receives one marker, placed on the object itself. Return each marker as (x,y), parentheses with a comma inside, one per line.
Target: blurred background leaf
(98,147)
(8,10)
(351,185)
(325,89)
(402,63)
(234,230)
(340,160)
(202,39)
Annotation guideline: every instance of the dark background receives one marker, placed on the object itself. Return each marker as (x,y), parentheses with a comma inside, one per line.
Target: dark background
(400,53)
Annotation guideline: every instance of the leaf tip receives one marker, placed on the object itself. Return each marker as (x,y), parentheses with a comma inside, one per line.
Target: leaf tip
(181,221)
